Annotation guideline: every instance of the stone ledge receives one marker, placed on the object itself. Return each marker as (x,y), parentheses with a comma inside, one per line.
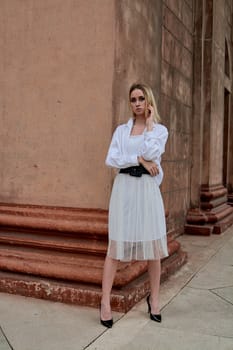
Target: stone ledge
(122,299)
(54,219)
(215,215)
(67,246)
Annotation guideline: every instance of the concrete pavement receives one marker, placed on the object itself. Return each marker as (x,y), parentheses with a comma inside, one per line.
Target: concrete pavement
(197,310)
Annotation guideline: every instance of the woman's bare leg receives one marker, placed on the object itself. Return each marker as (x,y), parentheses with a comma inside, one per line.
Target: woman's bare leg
(110,267)
(154,271)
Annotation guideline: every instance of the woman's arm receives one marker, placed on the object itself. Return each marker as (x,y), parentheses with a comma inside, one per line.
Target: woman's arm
(154,143)
(149,166)
(115,157)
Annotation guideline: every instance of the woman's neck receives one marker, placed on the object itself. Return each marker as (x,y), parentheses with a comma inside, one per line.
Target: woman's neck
(140,120)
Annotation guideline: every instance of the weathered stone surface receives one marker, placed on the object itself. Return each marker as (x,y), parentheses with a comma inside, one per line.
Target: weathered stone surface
(176,175)
(176,54)
(177,117)
(65,244)
(176,108)
(183,11)
(178,148)
(182,89)
(167,79)
(50,119)
(173,24)
(75,293)
(215,215)
(137,51)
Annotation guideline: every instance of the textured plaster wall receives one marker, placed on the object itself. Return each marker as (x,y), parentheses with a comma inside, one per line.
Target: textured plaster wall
(176,106)
(56,71)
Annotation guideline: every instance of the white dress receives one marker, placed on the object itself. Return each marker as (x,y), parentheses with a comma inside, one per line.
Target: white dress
(137,227)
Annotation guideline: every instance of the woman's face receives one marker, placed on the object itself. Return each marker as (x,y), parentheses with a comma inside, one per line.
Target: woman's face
(138,102)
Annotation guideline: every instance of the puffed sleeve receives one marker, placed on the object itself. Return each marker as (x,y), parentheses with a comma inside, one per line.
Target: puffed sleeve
(154,143)
(116,158)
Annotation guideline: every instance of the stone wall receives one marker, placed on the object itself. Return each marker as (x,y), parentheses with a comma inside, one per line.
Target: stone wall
(213,47)
(65,68)
(176,107)
(228,181)
(138,51)
(56,72)
(212,120)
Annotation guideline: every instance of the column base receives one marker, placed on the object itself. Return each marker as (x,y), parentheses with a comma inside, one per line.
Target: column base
(122,299)
(215,215)
(58,254)
(230,199)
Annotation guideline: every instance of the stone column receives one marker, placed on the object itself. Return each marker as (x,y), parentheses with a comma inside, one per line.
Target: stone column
(65,68)
(209,212)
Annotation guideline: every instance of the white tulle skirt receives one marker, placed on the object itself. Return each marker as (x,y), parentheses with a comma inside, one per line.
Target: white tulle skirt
(137,227)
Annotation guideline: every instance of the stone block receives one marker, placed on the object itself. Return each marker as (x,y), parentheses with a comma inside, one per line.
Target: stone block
(171,23)
(186,66)
(177,28)
(182,89)
(176,175)
(176,54)
(178,147)
(178,204)
(177,116)
(166,79)
(216,215)
(190,3)
(183,12)
(165,110)
(188,40)
(228,12)
(219,20)
(175,7)
(168,43)
(195,229)
(187,16)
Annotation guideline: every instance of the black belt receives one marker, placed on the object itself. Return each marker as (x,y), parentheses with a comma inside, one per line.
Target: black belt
(136,171)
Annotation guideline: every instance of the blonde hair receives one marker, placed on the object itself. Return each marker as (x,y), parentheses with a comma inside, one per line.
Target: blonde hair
(149,97)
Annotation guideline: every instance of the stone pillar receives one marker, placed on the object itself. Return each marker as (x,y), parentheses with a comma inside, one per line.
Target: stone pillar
(65,68)
(176,108)
(210,211)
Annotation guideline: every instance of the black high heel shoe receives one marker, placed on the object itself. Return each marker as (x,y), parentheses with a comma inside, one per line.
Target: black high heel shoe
(106,323)
(153,317)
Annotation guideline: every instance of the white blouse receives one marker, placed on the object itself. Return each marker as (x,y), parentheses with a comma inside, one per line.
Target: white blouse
(152,148)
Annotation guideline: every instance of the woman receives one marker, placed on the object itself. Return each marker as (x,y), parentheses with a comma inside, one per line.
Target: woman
(137,229)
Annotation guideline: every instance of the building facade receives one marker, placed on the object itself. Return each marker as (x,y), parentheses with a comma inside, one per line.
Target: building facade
(65,71)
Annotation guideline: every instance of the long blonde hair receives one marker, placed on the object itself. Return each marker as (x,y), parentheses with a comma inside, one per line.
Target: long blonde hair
(149,97)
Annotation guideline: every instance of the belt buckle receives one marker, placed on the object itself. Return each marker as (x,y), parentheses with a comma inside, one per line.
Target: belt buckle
(135,172)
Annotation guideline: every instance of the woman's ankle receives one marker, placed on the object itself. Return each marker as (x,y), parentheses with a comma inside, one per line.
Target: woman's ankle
(105,301)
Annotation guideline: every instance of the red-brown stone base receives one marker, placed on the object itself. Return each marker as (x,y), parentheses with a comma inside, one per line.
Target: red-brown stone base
(230,199)
(122,299)
(215,215)
(58,254)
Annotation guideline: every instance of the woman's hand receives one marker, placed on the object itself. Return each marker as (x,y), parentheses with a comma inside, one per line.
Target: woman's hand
(150,118)
(149,166)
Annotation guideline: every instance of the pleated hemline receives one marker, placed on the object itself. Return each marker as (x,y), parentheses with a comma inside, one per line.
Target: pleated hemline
(142,250)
